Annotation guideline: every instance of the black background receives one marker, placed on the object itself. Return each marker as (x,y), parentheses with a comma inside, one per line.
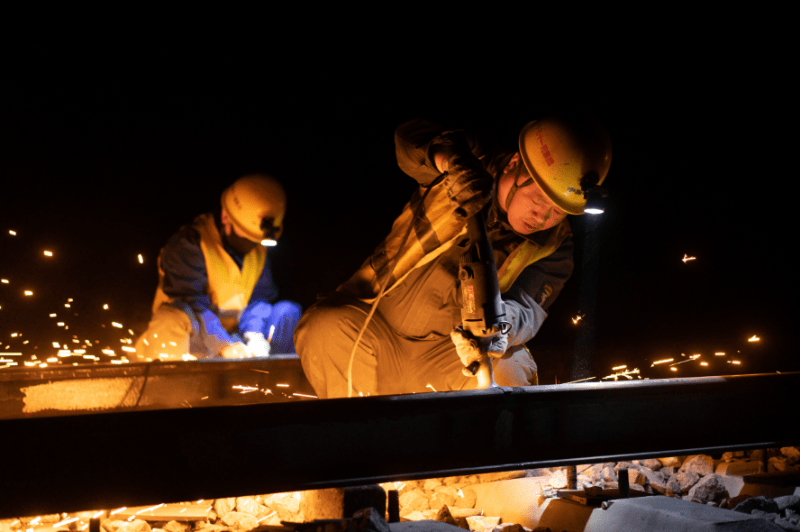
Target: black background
(106,151)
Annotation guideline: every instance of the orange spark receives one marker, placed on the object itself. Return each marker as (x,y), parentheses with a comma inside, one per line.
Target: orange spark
(65,522)
(753,338)
(662,361)
(686,258)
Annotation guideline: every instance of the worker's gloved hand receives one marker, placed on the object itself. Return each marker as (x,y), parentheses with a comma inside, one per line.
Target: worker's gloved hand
(471,349)
(257,344)
(237,350)
(468,182)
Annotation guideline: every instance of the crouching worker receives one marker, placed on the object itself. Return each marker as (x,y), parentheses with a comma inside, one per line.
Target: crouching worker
(413,342)
(215,295)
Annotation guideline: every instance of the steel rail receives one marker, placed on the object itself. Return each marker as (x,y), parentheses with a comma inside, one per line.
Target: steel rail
(67,389)
(112,459)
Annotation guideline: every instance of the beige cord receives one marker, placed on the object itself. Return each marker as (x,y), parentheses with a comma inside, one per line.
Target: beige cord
(386,282)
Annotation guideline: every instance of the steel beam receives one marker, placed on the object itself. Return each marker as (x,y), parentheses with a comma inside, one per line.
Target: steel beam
(130,458)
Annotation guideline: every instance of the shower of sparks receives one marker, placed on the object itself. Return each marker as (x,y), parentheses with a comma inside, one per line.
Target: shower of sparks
(753,338)
(686,258)
(662,361)
(65,522)
(577,318)
(282,385)
(304,395)
(118,510)
(245,389)
(617,368)
(627,374)
(156,507)
(735,362)
(28,293)
(48,253)
(12,232)
(116,324)
(141,259)
(267,516)
(431,387)
(673,369)
(719,354)
(581,380)
(704,363)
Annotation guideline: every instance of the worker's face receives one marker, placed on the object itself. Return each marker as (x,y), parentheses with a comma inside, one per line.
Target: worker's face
(235,238)
(530,210)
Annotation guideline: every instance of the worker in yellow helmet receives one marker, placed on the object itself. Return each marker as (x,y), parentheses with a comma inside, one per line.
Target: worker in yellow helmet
(413,342)
(216,296)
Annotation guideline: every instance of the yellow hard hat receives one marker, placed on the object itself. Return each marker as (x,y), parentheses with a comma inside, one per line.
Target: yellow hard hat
(256,205)
(559,152)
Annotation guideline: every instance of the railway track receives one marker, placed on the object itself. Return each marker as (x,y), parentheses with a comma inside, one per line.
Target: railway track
(66,463)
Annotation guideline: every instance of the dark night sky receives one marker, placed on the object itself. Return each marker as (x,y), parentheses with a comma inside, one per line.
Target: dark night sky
(100,163)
